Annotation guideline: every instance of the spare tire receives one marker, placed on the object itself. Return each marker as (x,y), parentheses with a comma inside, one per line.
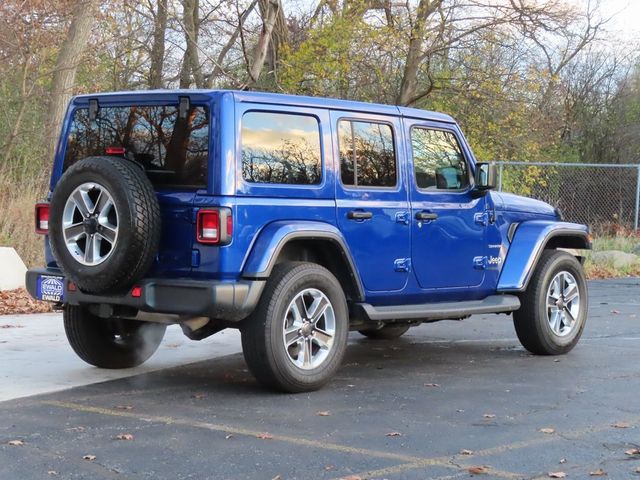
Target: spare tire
(104,226)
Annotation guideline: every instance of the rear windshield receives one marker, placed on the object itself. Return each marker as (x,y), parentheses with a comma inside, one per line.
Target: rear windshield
(173,151)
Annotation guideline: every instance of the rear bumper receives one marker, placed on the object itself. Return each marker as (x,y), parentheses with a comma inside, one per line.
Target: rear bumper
(230,301)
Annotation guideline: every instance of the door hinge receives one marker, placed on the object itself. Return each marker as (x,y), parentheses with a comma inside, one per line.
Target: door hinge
(480,263)
(402,264)
(481,218)
(402,217)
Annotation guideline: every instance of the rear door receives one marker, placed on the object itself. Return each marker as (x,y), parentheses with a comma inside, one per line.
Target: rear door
(372,199)
(173,149)
(448,222)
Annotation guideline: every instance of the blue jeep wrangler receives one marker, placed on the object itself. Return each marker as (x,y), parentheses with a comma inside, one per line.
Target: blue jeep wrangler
(294,219)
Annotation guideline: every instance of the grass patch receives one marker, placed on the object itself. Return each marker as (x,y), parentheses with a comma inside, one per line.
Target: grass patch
(626,242)
(623,243)
(18,194)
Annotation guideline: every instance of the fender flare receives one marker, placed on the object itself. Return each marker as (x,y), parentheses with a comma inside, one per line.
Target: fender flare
(266,248)
(527,246)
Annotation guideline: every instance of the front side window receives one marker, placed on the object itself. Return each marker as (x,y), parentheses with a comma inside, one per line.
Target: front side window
(281,148)
(438,161)
(367,154)
(172,150)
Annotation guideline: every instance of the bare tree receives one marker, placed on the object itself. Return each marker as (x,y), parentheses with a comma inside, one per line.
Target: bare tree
(269,11)
(84,15)
(191,67)
(415,54)
(158,48)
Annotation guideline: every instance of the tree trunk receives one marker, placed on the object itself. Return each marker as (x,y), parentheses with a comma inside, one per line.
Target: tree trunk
(409,84)
(64,75)
(17,121)
(191,61)
(279,37)
(269,16)
(157,50)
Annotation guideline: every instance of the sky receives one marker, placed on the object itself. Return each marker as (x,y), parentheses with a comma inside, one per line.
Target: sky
(625,17)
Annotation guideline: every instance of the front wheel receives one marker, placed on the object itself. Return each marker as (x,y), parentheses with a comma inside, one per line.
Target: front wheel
(297,336)
(554,307)
(110,342)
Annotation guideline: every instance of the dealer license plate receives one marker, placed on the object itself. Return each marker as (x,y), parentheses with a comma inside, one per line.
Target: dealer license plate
(50,288)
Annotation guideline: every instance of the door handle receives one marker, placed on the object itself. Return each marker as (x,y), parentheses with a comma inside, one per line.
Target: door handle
(359,215)
(426,216)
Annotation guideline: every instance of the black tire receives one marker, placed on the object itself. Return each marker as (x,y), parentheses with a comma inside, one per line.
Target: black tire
(388,332)
(531,321)
(263,337)
(138,218)
(110,343)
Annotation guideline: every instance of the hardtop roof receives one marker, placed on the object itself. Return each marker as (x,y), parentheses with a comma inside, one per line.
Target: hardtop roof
(269,98)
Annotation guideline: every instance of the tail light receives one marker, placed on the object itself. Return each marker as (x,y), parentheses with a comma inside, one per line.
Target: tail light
(214,226)
(115,151)
(42,218)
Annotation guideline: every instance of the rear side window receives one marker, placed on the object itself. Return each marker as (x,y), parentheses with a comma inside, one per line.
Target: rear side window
(281,148)
(438,160)
(367,154)
(172,150)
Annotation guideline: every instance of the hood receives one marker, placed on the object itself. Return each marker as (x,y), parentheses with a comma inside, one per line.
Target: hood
(515,203)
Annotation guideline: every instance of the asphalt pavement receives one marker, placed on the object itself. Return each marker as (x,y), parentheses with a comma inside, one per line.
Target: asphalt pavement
(447,400)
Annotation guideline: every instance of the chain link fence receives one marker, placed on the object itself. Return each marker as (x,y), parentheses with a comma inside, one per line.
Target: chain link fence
(604,196)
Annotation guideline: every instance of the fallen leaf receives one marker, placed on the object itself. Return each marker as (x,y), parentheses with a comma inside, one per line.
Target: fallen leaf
(394,434)
(227,437)
(323,414)
(598,473)
(620,425)
(264,436)
(478,470)
(198,396)
(123,436)
(464,451)
(52,472)
(547,430)
(489,415)
(277,477)
(16,443)
(75,429)
(89,457)
(435,385)
(615,312)
(19,301)
(352,477)
(563,460)
(328,468)
(557,475)
(633,451)
(124,407)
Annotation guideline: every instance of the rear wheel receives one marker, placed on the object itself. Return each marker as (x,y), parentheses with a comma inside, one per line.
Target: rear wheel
(554,307)
(113,342)
(388,332)
(296,338)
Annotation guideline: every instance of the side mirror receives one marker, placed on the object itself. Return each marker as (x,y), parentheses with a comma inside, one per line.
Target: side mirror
(486,176)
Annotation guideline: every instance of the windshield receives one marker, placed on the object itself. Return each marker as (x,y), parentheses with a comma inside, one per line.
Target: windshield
(172,150)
